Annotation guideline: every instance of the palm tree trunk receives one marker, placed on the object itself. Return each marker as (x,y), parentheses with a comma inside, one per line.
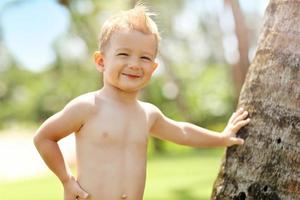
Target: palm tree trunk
(267,166)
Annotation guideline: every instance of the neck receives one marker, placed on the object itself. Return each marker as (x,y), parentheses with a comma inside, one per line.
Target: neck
(119,95)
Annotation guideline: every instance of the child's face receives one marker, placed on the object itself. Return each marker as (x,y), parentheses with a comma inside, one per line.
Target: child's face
(128,60)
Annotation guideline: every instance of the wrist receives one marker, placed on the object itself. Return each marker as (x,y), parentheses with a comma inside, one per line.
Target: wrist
(64,180)
(224,139)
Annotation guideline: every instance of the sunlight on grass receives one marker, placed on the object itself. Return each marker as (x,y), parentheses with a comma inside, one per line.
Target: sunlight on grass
(182,178)
(176,177)
(39,188)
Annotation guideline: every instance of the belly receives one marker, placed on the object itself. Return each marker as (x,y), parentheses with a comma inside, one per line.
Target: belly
(112,175)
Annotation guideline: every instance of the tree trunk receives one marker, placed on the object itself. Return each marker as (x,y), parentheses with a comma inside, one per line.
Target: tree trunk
(267,166)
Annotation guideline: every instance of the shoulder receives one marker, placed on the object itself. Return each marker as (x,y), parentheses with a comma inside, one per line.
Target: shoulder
(151,110)
(71,118)
(82,105)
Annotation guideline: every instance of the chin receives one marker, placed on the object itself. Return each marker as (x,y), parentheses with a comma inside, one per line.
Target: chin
(130,89)
(134,88)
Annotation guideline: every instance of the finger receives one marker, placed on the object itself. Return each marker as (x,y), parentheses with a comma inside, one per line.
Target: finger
(242,116)
(240,124)
(83,195)
(236,114)
(232,117)
(237,141)
(239,111)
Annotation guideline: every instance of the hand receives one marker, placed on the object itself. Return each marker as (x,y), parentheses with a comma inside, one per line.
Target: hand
(73,191)
(236,121)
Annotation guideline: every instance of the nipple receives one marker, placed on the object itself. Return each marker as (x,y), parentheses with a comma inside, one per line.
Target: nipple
(124,196)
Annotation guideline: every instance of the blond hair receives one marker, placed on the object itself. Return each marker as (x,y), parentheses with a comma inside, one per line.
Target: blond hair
(137,18)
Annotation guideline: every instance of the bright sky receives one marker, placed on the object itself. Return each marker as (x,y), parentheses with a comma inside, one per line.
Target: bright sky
(30,27)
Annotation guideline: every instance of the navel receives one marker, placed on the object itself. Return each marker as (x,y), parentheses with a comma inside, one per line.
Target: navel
(105,134)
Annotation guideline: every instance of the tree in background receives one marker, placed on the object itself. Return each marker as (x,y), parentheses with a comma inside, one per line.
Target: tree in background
(239,69)
(266,167)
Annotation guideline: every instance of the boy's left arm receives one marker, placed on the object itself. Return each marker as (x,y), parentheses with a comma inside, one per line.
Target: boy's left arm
(191,135)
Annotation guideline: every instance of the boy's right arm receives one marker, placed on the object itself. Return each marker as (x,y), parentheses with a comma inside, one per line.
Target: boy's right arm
(63,123)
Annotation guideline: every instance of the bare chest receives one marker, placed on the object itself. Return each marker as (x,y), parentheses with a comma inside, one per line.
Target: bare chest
(112,126)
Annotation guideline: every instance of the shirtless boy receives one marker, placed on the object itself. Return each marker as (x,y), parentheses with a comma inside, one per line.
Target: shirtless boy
(112,126)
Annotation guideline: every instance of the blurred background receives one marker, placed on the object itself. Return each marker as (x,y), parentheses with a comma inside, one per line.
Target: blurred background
(46,49)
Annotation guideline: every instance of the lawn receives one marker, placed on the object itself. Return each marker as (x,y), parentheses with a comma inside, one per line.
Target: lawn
(169,177)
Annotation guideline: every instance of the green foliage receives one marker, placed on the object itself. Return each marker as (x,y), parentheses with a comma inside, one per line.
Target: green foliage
(208,96)
(33,97)
(204,97)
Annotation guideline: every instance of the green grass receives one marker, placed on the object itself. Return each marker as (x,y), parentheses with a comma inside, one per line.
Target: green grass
(172,177)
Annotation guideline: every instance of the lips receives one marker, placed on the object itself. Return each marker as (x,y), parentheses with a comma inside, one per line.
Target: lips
(133,76)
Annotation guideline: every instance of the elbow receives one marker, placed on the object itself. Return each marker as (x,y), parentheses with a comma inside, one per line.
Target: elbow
(185,140)
(188,136)
(36,140)
(40,140)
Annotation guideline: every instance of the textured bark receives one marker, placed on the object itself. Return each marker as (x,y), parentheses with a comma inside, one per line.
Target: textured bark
(267,166)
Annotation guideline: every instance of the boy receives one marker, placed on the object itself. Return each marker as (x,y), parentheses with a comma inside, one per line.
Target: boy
(112,126)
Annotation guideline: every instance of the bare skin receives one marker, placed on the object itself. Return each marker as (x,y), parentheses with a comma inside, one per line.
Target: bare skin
(112,150)
(112,126)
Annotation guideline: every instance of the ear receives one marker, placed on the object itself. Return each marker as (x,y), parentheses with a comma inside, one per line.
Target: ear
(154,66)
(98,59)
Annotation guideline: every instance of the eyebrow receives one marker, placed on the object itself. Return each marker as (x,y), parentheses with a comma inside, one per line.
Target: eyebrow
(122,49)
(149,54)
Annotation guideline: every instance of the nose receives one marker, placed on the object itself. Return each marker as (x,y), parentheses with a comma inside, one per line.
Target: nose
(134,64)
(134,67)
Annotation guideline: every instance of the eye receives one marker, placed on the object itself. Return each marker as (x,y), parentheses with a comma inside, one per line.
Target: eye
(146,58)
(122,54)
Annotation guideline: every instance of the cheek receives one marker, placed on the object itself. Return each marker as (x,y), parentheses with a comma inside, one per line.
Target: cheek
(111,73)
(149,70)
(114,65)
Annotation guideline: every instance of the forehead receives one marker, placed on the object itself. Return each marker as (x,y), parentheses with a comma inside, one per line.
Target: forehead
(133,40)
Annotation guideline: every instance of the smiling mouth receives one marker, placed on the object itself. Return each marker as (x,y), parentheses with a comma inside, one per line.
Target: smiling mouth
(133,76)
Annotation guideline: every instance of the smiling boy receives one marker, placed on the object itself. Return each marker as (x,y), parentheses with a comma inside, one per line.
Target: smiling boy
(112,126)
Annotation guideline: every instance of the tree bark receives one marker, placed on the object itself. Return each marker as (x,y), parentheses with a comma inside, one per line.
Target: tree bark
(266,167)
